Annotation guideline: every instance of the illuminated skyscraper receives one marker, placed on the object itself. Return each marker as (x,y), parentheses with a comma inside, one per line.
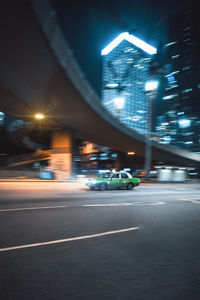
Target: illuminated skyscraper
(125,71)
(181,121)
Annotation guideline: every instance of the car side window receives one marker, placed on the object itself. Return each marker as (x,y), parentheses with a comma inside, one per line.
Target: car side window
(124,175)
(106,175)
(115,175)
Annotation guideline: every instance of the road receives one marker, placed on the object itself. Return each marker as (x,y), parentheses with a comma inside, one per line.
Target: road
(62,241)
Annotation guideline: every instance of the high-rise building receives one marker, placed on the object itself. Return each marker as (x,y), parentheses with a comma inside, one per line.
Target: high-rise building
(181,121)
(125,71)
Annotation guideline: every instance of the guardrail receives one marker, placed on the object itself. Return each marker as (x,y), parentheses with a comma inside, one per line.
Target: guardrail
(19,174)
(26,158)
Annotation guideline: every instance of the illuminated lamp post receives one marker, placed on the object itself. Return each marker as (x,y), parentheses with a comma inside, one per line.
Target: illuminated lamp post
(150,90)
(119,105)
(39,116)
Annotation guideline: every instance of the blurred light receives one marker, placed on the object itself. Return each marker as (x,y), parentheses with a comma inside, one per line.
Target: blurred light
(187,90)
(119,102)
(130,153)
(114,43)
(151,86)
(189,142)
(170,97)
(170,44)
(141,44)
(167,139)
(175,56)
(39,116)
(184,123)
(132,39)
(171,79)
(111,85)
(102,171)
(2,116)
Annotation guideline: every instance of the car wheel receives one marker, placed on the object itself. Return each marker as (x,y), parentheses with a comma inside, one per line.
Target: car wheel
(102,186)
(130,186)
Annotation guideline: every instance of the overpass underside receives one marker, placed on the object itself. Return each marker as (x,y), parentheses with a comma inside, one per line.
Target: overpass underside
(38,72)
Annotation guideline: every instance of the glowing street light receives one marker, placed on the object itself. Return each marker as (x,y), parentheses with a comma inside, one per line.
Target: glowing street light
(119,105)
(39,116)
(150,90)
(119,102)
(131,153)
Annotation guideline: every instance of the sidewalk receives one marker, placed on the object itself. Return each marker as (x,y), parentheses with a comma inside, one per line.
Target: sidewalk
(24,179)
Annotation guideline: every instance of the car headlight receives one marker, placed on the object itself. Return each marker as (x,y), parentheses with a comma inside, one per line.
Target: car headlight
(93,181)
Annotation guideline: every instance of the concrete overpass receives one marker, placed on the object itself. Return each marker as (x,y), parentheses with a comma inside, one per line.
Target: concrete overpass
(38,72)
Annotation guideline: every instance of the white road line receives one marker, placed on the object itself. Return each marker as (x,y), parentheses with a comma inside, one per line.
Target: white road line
(193,200)
(106,204)
(155,203)
(123,204)
(85,205)
(30,208)
(190,199)
(68,240)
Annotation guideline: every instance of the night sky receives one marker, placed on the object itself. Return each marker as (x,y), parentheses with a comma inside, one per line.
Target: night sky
(91,25)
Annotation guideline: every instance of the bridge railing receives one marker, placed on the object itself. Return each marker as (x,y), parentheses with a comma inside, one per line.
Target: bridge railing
(25,159)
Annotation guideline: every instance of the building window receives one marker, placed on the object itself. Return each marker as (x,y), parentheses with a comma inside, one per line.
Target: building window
(2,117)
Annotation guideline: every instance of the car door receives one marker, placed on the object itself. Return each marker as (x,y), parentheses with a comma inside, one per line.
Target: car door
(114,181)
(124,180)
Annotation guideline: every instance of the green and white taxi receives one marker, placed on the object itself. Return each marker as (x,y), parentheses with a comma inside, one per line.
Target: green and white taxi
(116,180)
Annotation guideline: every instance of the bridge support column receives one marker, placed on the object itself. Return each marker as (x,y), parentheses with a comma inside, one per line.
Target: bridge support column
(61,162)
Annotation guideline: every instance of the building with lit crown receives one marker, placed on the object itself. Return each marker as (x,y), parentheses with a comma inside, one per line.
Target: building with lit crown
(125,71)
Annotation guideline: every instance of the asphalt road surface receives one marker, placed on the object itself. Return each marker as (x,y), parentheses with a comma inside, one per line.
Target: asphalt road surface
(63,241)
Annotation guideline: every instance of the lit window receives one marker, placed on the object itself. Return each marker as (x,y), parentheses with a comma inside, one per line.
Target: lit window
(189,142)
(187,28)
(186,68)
(170,44)
(186,91)
(184,123)
(171,79)
(2,116)
(175,56)
(170,97)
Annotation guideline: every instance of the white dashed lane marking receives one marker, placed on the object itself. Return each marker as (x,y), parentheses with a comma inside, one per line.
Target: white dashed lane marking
(69,239)
(138,203)
(84,205)
(124,204)
(30,208)
(193,200)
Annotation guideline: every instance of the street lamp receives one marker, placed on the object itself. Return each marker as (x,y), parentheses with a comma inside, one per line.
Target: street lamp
(39,116)
(119,105)
(150,90)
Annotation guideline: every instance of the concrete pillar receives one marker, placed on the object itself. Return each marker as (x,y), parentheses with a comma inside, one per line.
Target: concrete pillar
(61,162)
